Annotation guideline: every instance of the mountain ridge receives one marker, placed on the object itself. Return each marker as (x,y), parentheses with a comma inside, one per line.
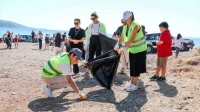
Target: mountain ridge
(10,24)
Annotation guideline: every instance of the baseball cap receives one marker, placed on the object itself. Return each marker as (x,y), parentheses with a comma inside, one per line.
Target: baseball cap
(77,52)
(126,15)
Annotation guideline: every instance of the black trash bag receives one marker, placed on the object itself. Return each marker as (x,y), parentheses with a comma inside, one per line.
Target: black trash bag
(107,43)
(104,68)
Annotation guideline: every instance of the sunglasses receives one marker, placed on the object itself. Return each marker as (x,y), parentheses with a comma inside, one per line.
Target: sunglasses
(93,18)
(76,23)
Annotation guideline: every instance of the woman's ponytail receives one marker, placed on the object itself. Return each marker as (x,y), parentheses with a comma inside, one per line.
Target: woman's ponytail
(133,18)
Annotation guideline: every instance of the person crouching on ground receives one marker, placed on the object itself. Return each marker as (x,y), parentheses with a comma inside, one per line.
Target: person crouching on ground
(57,43)
(163,51)
(137,49)
(16,41)
(56,73)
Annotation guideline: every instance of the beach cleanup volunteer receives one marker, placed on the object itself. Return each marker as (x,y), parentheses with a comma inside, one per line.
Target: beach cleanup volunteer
(56,73)
(137,49)
(124,58)
(92,38)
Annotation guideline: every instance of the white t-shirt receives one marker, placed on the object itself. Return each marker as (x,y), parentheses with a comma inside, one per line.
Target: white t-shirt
(65,69)
(178,42)
(95,29)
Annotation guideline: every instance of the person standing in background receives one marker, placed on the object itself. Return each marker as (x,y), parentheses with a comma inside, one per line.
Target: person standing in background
(143,30)
(124,57)
(46,42)
(16,41)
(163,52)
(57,43)
(40,37)
(178,44)
(63,42)
(76,37)
(9,40)
(33,35)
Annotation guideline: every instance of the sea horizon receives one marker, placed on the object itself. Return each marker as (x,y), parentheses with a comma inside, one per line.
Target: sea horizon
(27,31)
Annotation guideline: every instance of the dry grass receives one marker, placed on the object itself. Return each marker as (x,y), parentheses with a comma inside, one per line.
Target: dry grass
(177,70)
(192,62)
(180,69)
(187,68)
(198,50)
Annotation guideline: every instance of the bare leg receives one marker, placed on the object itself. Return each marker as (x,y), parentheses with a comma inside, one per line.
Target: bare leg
(164,71)
(45,46)
(134,80)
(158,70)
(48,46)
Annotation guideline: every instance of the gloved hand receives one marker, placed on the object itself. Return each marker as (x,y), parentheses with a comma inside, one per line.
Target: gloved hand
(82,95)
(121,50)
(76,41)
(84,63)
(116,48)
(86,47)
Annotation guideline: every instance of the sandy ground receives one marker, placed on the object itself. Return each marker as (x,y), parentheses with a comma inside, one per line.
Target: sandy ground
(21,86)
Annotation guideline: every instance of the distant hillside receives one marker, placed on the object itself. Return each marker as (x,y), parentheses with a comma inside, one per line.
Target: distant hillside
(10,24)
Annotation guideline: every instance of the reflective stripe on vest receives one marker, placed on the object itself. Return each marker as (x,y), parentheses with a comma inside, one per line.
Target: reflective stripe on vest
(50,65)
(47,72)
(51,69)
(139,43)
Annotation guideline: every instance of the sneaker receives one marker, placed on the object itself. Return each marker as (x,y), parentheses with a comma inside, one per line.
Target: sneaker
(154,77)
(131,88)
(67,90)
(48,91)
(161,78)
(82,96)
(122,71)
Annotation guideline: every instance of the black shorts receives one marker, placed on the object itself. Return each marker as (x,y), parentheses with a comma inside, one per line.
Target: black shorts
(137,63)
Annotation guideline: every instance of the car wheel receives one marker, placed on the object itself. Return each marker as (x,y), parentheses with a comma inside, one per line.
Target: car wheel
(184,47)
(149,49)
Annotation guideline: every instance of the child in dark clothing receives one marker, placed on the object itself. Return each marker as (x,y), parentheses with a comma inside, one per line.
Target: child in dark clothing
(46,42)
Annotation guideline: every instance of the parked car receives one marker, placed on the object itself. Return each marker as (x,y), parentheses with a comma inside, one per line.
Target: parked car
(25,38)
(151,40)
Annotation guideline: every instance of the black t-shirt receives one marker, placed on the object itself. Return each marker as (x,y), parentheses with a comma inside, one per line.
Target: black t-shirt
(119,31)
(46,39)
(58,42)
(63,37)
(76,34)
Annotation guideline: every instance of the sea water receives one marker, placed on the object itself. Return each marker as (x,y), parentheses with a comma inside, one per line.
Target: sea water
(27,31)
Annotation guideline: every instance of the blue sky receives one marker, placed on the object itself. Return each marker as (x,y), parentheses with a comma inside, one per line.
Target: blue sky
(183,16)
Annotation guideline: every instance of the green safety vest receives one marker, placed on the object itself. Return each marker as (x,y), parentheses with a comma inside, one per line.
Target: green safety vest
(139,44)
(88,32)
(50,69)
(124,34)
